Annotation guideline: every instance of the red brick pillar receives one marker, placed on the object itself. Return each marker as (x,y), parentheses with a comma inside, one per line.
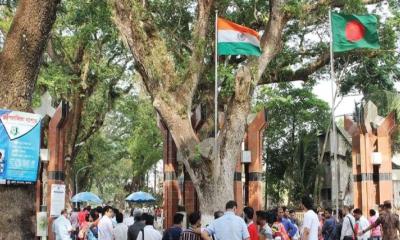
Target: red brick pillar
(238,185)
(190,195)
(384,146)
(255,146)
(372,183)
(55,169)
(171,185)
(353,129)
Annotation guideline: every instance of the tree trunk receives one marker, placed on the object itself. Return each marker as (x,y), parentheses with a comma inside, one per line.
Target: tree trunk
(19,67)
(215,195)
(172,94)
(22,52)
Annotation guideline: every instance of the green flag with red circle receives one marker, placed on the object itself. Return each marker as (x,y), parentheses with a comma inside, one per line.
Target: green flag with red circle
(354,31)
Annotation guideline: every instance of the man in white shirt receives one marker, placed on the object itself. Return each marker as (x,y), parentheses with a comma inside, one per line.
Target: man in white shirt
(105,227)
(310,222)
(149,232)
(62,226)
(361,224)
(348,224)
(120,231)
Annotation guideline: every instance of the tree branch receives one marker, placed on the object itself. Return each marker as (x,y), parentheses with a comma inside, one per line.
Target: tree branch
(196,62)
(52,53)
(287,75)
(312,7)
(302,74)
(271,41)
(152,60)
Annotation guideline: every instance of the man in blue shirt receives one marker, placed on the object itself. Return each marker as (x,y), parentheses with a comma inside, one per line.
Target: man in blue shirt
(289,227)
(229,226)
(174,232)
(328,229)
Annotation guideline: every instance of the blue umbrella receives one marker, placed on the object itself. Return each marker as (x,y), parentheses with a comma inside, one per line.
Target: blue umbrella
(140,197)
(86,197)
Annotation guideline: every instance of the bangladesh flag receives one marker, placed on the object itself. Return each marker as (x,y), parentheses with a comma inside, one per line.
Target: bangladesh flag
(354,31)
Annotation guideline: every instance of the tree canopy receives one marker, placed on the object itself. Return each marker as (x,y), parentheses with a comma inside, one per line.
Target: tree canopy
(116,60)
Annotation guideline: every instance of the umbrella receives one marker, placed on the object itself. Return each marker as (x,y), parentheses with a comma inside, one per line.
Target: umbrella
(86,197)
(140,197)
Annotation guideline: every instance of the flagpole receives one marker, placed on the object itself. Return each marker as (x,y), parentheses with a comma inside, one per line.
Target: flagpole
(333,136)
(216,88)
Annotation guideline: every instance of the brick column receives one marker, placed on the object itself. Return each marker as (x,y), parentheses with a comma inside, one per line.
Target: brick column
(255,145)
(367,184)
(372,184)
(238,185)
(55,169)
(170,185)
(190,195)
(385,148)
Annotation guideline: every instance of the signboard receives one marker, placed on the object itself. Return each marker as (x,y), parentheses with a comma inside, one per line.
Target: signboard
(19,146)
(57,203)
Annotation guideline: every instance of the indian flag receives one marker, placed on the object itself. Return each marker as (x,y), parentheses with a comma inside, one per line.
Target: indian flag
(234,39)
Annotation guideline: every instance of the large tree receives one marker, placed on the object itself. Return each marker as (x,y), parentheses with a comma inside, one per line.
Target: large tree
(295,118)
(171,43)
(84,64)
(122,152)
(20,60)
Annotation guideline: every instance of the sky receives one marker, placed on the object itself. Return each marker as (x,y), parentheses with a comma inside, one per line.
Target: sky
(345,105)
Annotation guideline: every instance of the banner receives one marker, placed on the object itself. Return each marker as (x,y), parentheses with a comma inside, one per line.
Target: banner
(57,202)
(19,146)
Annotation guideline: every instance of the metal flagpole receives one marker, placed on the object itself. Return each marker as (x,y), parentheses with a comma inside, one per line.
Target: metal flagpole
(333,136)
(216,88)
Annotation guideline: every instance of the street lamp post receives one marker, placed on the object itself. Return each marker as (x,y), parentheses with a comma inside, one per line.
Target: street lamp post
(76,177)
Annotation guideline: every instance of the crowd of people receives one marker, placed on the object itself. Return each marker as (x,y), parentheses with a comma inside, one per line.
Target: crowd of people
(107,223)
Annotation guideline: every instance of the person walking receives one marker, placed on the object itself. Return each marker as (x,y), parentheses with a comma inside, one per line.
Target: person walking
(278,229)
(310,222)
(229,226)
(289,226)
(139,224)
(389,221)
(348,232)
(83,228)
(120,231)
(92,233)
(105,227)
(62,226)
(292,217)
(149,232)
(328,229)
(361,224)
(376,233)
(339,224)
(194,231)
(248,214)
(265,221)
(174,232)
(74,222)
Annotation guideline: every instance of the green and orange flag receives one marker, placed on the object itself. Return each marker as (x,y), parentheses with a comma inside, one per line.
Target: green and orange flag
(235,39)
(354,31)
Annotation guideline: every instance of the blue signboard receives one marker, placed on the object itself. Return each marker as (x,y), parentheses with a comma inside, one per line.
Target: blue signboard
(19,146)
